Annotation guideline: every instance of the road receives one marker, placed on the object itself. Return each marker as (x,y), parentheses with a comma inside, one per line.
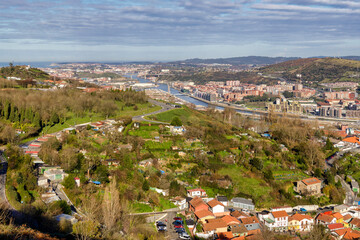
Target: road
(164,108)
(350,196)
(3,171)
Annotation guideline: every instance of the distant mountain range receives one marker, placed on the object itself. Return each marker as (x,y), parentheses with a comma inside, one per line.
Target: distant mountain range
(249,60)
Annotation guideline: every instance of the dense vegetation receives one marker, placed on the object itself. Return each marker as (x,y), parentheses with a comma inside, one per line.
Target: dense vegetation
(32,111)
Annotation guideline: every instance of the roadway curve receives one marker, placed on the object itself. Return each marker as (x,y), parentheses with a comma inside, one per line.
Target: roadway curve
(164,108)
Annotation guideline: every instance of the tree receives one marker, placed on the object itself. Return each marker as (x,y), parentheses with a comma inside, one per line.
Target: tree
(54,118)
(86,230)
(268,174)
(102,173)
(176,122)
(318,173)
(257,163)
(318,232)
(329,145)
(146,186)
(111,207)
(69,182)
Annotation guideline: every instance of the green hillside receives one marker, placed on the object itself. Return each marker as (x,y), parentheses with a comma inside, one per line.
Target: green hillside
(316,70)
(23,72)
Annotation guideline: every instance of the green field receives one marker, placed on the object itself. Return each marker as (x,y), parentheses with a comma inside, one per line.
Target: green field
(289,175)
(146,131)
(167,116)
(72,119)
(251,186)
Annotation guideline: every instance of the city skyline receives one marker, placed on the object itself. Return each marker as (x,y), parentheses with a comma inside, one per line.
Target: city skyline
(160,30)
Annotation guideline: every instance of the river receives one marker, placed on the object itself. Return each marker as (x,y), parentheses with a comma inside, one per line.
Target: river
(173,91)
(184,97)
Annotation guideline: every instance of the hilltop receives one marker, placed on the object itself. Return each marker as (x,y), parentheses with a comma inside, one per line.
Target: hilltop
(249,60)
(316,70)
(23,72)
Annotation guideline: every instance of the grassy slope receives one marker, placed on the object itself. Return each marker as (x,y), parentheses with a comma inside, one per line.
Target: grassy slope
(317,69)
(185,114)
(250,185)
(127,111)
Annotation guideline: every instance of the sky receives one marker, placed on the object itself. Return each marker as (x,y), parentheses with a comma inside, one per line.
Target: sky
(165,30)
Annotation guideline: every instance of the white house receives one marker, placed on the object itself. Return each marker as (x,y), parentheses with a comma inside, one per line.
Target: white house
(224,200)
(43,181)
(180,202)
(216,206)
(342,208)
(177,130)
(196,192)
(277,221)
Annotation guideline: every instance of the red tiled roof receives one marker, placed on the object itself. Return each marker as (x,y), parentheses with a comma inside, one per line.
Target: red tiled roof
(31,152)
(203,213)
(238,214)
(197,201)
(334,226)
(225,236)
(311,181)
(324,218)
(347,217)
(337,215)
(196,189)
(230,220)
(214,203)
(356,222)
(249,220)
(299,217)
(352,140)
(348,234)
(214,224)
(279,214)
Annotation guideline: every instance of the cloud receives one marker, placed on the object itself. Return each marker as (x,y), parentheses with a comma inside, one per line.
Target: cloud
(158,23)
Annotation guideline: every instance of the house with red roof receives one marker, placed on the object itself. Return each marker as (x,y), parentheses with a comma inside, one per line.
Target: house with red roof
(335,226)
(300,222)
(204,215)
(325,219)
(277,221)
(197,192)
(197,204)
(212,226)
(309,186)
(216,207)
(346,234)
(230,220)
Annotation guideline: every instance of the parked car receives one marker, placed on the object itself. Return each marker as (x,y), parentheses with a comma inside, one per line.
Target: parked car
(180,230)
(177,218)
(161,228)
(178,226)
(184,236)
(177,222)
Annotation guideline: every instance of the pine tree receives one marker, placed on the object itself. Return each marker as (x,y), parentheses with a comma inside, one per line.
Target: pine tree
(6,110)
(37,121)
